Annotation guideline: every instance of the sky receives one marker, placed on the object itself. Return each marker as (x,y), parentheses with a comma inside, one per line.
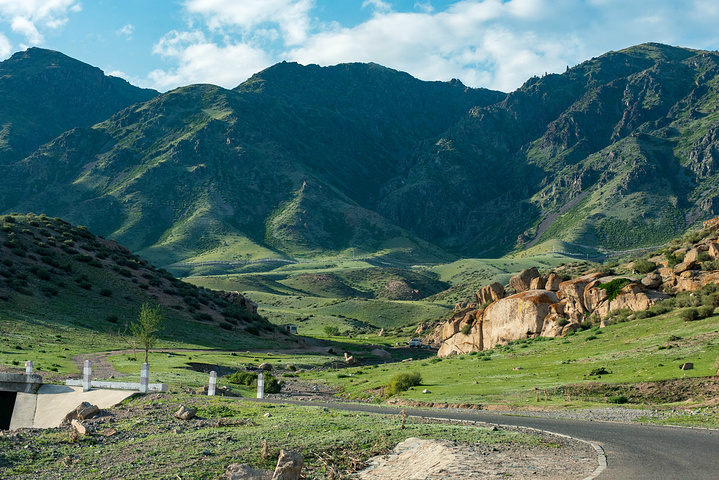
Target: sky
(497,44)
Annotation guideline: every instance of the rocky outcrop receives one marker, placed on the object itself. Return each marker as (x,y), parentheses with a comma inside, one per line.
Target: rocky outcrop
(536,312)
(238,299)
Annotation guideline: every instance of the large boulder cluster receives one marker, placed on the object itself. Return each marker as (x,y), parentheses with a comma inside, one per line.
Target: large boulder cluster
(544,305)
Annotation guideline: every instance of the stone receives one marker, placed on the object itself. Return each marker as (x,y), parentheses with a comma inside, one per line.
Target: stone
(490,293)
(79,427)
(553,281)
(571,293)
(86,410)
(289,466)
(652,280)
(687,366)
(267,367)
(378,352)
(594,296)
(185,413)
(693,254)
(538,283)
(244,472)
(426,391)
(685,266)
(516,317)
(522,281)
(239,299)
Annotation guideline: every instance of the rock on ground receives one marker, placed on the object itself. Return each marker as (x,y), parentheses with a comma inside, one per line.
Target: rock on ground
(422,459)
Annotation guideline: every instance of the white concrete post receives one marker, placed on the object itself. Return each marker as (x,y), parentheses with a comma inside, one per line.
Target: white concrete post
(261,386)
(213,383)
(144,378)
(87,376)
(28,367)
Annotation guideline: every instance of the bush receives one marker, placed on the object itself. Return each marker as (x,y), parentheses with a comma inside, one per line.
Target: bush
(618,399)
(403,381)
(690,314)
(614,287)
(706,311)
(112,318)
(466,329)
(106,292)
(242,378)
(331,331)
(644,266)
(272,385)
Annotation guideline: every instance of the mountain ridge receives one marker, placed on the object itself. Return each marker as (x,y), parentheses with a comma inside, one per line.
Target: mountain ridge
(618,151)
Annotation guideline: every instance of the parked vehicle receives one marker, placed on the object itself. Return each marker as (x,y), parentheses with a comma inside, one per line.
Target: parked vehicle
(415,342)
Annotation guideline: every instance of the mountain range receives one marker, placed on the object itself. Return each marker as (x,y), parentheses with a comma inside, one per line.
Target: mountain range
(358,159)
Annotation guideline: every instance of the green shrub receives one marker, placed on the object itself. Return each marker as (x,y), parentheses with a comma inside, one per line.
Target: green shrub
(644,266)
(618,399)
(112,318)
(689,314)
(242,378)
(106,292)
(614,287)
(403,381)
(706,311)
(272,385)
(331,331)
(599,371)
(466,329)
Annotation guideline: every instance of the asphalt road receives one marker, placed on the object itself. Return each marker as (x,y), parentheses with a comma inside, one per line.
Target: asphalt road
(633,451)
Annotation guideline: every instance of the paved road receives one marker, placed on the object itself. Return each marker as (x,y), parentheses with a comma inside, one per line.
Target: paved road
(634,451)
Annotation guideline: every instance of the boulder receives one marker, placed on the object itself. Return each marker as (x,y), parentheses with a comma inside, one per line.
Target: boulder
(633,297)
(490,293)
(687,366)
(594,296)
(553,281)
(86,410)
(693,254)
(378,352)
(79,427)
(516,317)
(522,281)
(267,367)
(685,266)
(238,299)
(461,343)
(538,283)
(713,250)
(185,413)
(289,466)
(652,280)
(571,293)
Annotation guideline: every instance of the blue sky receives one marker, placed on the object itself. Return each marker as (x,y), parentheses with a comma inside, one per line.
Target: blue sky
(496,44)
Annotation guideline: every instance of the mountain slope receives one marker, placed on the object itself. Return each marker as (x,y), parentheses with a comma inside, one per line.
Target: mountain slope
(617,152)
(54,273)
(45,93)
(203,169)
(597,151)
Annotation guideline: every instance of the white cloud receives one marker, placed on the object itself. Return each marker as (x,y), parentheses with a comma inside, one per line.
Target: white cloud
(378,5)
(126,31)
(30,17)
(490,43)
(5,46)
(201,61)
(291,17)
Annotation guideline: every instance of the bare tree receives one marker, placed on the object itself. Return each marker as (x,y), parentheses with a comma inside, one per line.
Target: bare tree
(148,323)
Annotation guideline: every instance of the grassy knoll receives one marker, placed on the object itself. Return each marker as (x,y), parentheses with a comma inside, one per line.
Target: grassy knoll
(150,443)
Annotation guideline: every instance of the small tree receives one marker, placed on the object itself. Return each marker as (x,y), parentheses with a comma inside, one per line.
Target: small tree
(331,331)
(148,323)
